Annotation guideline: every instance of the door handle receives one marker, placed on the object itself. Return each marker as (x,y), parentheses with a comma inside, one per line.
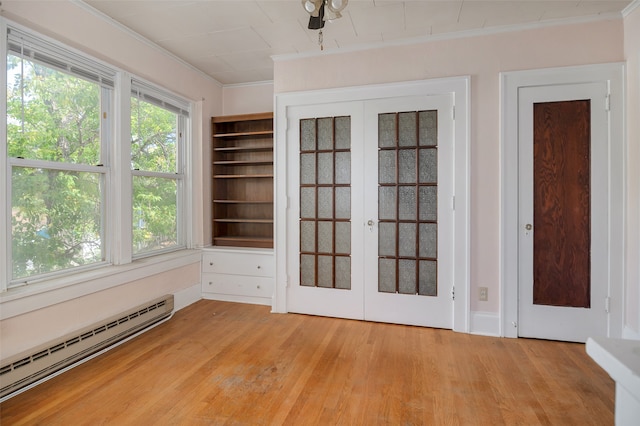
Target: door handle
(370,224)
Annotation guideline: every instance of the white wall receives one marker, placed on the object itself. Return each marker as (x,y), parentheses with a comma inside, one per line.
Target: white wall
(483,57)
(33,320)
(632,55)
(247,98)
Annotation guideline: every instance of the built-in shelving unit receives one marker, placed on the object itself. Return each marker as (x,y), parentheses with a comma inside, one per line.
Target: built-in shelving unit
(243,180)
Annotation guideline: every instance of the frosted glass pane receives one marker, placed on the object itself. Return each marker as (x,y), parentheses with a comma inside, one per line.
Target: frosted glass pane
(428,240)
(325,237)
(325,271)
(307,169)
(343,167)
(308,134)
(325,203)
(428,203)
(428,128)
(386,275)
(407,240)
(343,237)
(428,166)
(386,130)
(386,239)
(325,168)
(408,203)
(325,133)
(407,276)
(386,166)
(307,270)
(428,278)
(307,236)
(343,272)
(343,132)
(307,202)
(387,202)
(407,166)
(343,203)
(407,125)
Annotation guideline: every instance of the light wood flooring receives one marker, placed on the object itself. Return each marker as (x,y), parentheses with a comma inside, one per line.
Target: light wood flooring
(223,363)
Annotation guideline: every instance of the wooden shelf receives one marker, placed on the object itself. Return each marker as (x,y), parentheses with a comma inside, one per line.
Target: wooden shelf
(239,220)
(242,202)
(242,173)
(241,176)
(240,134)
(243,148)
(241,163)
(233,241)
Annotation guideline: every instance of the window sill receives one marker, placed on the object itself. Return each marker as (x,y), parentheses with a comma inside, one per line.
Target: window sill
(20,300)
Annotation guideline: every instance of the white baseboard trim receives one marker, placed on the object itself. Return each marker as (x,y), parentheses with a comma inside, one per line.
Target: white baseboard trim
(187,296)
(484,323)
(238,299)
(629,333)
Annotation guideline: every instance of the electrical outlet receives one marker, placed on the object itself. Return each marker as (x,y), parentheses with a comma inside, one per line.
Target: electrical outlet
(484,294)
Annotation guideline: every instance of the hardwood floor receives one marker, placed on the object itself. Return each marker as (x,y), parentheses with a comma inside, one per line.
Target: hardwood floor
(224,363)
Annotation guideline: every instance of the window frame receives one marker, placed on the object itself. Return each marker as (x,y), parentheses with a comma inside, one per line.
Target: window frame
(118,189)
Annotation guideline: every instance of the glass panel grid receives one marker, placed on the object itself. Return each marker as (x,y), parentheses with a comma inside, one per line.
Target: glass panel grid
(325,202)
(407,203)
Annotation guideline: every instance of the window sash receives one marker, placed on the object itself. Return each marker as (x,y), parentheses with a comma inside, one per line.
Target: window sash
(44,52)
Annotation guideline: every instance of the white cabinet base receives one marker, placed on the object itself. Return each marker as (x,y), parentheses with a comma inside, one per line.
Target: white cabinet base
(238,275)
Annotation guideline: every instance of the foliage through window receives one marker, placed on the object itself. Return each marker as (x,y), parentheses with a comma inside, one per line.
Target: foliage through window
(155,160)
(53,141)
(62,205)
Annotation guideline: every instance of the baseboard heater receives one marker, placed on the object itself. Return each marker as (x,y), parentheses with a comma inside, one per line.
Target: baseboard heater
(19,372)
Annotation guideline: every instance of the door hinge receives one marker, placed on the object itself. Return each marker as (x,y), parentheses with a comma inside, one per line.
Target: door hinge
(287,281)
(453,112)
(607,102)
(453,292)
(453,202)
(607,304)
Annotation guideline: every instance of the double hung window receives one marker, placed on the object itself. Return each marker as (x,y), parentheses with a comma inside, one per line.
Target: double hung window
(63,152)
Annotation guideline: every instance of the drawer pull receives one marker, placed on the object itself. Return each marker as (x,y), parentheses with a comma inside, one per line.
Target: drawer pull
(259,266)
(210,263)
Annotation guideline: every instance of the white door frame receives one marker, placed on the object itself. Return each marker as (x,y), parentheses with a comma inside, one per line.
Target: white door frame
(460,88)
(510,83)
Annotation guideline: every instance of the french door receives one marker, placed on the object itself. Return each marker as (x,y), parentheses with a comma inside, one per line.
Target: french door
(370,223)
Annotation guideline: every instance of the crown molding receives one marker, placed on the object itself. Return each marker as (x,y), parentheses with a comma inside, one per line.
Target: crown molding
(456,35)
(630,8)
(92,10)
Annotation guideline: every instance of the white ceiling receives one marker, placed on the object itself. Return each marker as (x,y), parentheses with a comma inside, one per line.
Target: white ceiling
(233,40)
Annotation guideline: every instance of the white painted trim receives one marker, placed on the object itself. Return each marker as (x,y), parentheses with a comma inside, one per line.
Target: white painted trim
(21,300)
(510,83)
(5,217)
(187,296)
(453,36)
(630,8)
(630,334)
(249,84)
(253,300)
(485,323)
(460,87)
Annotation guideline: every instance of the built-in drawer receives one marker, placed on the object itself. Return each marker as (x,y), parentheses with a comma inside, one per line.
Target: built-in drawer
(238,285)
(252,264)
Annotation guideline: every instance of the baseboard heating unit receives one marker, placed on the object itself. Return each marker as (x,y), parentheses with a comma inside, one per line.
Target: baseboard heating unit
(27,369)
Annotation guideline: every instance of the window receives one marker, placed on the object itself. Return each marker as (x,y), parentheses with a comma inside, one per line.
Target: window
(62,214)
(56,155)
(157,132)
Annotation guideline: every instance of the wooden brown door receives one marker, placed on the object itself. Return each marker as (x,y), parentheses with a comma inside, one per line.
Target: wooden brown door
(562,203)
(563,209)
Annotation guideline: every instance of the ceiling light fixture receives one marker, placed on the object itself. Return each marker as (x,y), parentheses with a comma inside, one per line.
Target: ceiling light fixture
(321,11)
